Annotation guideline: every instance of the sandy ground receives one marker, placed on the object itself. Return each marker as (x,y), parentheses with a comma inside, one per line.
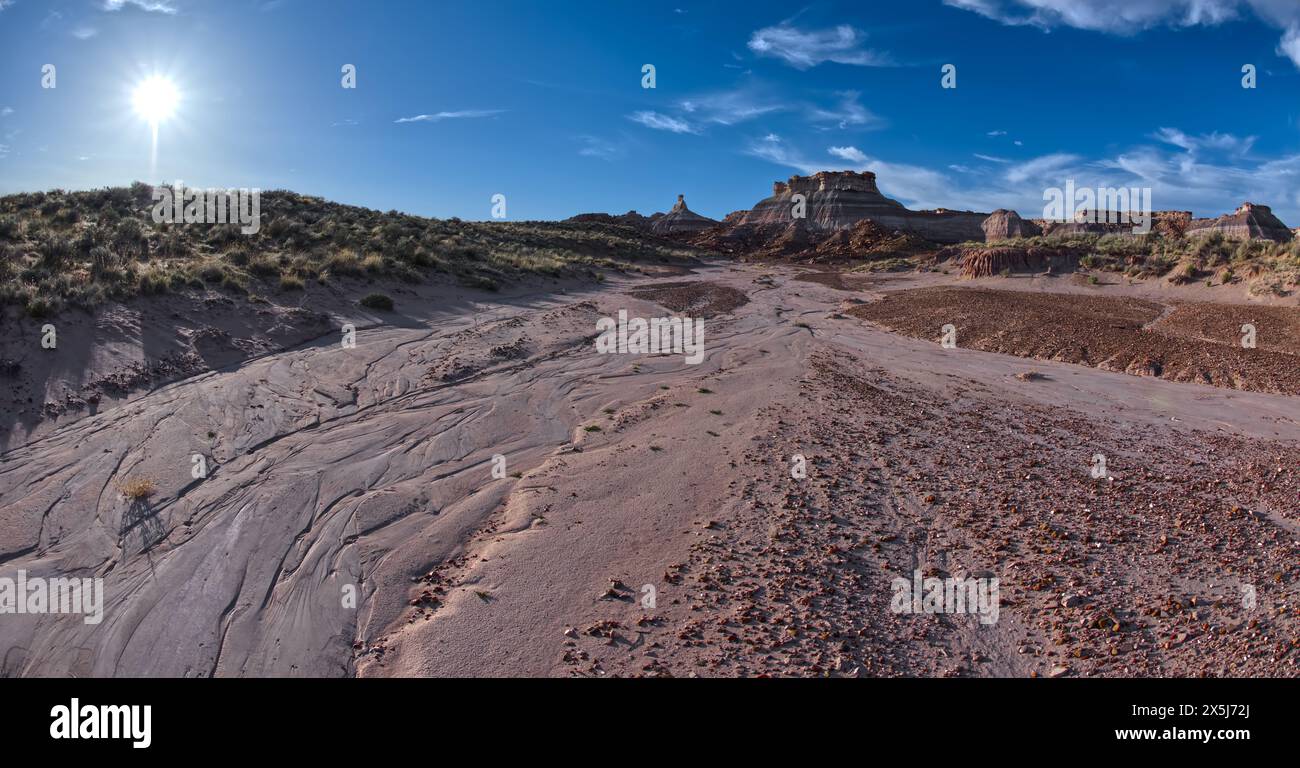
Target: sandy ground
(1187,341)
(369,471)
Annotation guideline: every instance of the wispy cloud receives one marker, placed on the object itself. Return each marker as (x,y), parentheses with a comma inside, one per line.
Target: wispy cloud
(5,4)
(732,107)
(806,48)
(594,146)
(7,111)
(662,122)
(84,33)
(152,6)
(992,158)
(847,112)
(1040,167)
(1224,142)
(1127,17)
(997,133)
(754,101)
(852,154)
(438,117)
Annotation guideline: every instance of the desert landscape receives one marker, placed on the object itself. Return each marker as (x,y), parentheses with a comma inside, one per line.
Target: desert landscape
(502,500)
(350,343)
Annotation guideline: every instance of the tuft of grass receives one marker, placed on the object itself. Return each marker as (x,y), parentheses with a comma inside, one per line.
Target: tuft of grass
(138,488)
(591,428)
(377,301)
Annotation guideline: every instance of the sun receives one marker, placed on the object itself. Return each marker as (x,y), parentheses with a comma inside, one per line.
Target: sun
(155,99)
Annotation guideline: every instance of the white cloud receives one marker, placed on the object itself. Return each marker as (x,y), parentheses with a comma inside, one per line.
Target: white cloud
(1289,46)
(992,158)
(594,146)
(84,33)
(661,122)
(457,115)
(152,6)
(731,107)
(1127,17)
(5,4)
(847,112)
(1040,167)
(806,48)
(7,111)
(1225,142)
(997,133)
(852,154)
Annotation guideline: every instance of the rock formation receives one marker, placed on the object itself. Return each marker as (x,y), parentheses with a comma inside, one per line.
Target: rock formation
(1166,223)
(680,221)
(835,200)
(1250,221)
(629,219)
(987,262)
(1003,224)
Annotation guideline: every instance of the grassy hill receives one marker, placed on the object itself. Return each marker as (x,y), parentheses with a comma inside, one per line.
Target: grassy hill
(60,248)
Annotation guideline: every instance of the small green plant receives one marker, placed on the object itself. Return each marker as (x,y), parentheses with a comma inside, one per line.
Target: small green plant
(377,301)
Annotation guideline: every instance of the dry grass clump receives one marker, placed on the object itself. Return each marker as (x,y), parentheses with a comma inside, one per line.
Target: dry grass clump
(138,488)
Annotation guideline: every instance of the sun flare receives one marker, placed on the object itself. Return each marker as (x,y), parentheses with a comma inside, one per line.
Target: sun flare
(155,99)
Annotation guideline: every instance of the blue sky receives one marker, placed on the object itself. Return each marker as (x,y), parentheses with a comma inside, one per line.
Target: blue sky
(543,101)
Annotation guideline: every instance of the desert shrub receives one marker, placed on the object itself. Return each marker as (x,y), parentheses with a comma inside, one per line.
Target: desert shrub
(377,301)
(212,272)
(42,306)
(138,488)
(11,228)
(102,260)
(374,263)
(55,251)
(85,242)
(174,245)
(291,283)
(153,281)
(482,282)
(141,194)
(265,266)
(343,263)
(129,238)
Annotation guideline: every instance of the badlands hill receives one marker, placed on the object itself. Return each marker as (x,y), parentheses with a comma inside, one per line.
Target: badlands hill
(847,220)
(138,304)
